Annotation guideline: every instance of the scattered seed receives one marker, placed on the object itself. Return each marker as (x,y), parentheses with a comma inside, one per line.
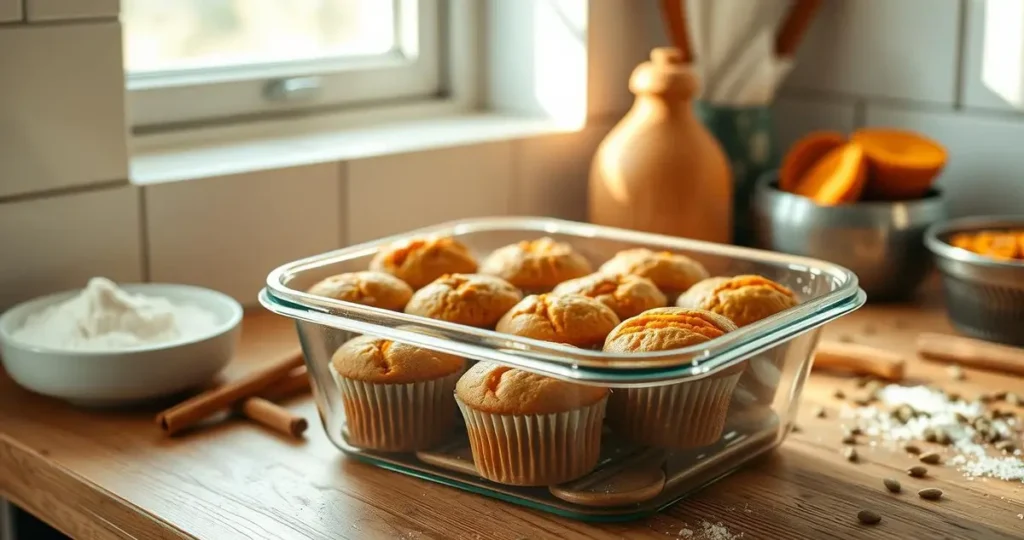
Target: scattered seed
(993,435)
(911,449)
(820,412)
(1006,446)
(930,435)
(892,485)
(839,394)
(985,398)
(917,471)
(942,437)
(796,429)
(953,396)
(850,453)
(997,413)
(1000,395)
(961,418)
(868,517)
(863,381)
(904,414)
(849,439)
(852,430)
(931,494)
(931,458)
(863,401)
(955,372)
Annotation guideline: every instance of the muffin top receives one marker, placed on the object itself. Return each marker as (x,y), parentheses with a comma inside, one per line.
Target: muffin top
(497,389)
(573,319)
(471,299)
(536,264)
(694,296)
(663,329)
(671,272)
(626,294)
(375,289)
(743,299)
(422,260)
(375,360)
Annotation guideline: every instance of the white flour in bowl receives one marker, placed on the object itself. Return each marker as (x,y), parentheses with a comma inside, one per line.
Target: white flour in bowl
(104,318)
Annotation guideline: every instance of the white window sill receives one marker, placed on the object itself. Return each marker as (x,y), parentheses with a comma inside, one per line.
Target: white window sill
(207,153)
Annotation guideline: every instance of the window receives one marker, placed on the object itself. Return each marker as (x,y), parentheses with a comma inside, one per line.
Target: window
(192,61)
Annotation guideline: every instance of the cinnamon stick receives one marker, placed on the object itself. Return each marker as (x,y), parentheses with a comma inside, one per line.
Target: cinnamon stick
(273,416)
(794,26)
(674,14)
(293,384)
(971,353)
(860,359)
(191,411)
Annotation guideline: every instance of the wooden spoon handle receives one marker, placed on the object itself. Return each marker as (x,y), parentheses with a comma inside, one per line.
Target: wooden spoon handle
(794,26)
(971,352)
(860,359)
(674,14)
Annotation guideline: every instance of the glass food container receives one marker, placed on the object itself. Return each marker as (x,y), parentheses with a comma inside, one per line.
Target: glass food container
(629,481)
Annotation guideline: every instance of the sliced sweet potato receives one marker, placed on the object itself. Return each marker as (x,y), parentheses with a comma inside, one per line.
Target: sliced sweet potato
(837,178)
(902,164)
(962,241)
(804,153)
(998,245)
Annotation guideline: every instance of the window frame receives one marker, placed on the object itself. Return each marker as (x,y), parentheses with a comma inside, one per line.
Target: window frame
(411,71)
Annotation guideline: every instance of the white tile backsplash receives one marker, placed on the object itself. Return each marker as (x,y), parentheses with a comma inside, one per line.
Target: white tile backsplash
(993,72)
(10,10)
(57,243)
(901,49)
(388,195)
(985,163)
(228,233)
(61,107)
(52,10)
(795,117)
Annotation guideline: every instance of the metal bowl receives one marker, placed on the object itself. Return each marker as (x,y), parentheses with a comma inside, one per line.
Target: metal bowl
(984,296)
(881,241)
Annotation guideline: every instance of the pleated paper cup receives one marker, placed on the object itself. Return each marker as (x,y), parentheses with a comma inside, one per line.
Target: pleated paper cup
(677,416)
(398,417)
(535,450)
(760,381)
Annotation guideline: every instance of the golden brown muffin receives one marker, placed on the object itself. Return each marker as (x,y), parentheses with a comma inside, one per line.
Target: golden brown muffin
(536,265)
(671,272)
(685,415)
(563,318)
(743,299)
(529,430)
(694,296)
(375,289)
(420,261)
(397,397)
(471,299)
(627,295)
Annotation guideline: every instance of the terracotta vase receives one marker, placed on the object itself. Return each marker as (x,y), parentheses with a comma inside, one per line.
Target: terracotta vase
(660,170)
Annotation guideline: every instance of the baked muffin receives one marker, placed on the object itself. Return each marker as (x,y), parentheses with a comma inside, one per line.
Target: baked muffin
(529,430)
(573,319)
(397,397)
(671,272)
(536,265)
(420,261)
(627,295)
(683,415)
(743,299)
(471,299)
(375,289)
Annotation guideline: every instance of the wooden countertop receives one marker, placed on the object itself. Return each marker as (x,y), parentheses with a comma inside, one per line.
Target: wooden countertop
(109,474)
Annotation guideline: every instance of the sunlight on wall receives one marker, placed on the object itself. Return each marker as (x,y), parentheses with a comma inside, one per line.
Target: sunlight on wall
(1002,67)
(560,60)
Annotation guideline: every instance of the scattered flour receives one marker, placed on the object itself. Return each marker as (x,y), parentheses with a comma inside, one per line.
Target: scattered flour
(104,318)
(717,531)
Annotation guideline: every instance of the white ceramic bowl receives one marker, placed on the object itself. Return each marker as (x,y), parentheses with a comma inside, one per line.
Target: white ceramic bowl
(101,378)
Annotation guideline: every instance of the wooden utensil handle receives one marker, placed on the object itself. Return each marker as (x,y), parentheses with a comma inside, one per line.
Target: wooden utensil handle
(794,26)
(860,359)
(971,352)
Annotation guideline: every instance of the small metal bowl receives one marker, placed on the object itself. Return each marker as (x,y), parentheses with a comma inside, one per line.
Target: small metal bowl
(880,241)
(984,296)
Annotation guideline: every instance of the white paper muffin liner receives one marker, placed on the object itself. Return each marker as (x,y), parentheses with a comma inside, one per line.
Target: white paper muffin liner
(398,417)
(535,450)
(760,381)
(678,416)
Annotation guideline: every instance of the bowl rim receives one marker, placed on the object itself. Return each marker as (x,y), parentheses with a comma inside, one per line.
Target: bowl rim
(941,248)
(769,183)
(35,305)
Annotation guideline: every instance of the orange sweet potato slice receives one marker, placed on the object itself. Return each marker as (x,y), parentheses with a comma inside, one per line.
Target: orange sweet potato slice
(962,241)
(804,153)
(836,178)
(902,164)
(998,245)
(1020,245)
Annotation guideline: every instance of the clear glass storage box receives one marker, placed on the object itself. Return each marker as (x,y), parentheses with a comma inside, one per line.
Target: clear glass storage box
(629,481)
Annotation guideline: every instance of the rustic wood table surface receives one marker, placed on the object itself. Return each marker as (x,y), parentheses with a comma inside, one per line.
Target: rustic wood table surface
(113,474)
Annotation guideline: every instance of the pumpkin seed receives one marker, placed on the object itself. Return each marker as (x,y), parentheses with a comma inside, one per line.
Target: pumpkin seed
(1006,446)
(863,381)
(911,449)
(931,494)
(930,435)
(1000,395)
(850,453)
(892,485)
(917,471)
(985,398)
(839,394)
(855,430)
(849,438)
(953,396)
(961,418)
(942,437)
(862,401)
(931,458)
(819,412)
(868,517)
(955,372)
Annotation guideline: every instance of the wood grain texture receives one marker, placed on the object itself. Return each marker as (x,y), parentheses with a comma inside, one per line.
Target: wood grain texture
(112,474)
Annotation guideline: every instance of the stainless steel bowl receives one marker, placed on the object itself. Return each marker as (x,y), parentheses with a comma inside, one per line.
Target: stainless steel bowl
(984,296)
(882,242)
